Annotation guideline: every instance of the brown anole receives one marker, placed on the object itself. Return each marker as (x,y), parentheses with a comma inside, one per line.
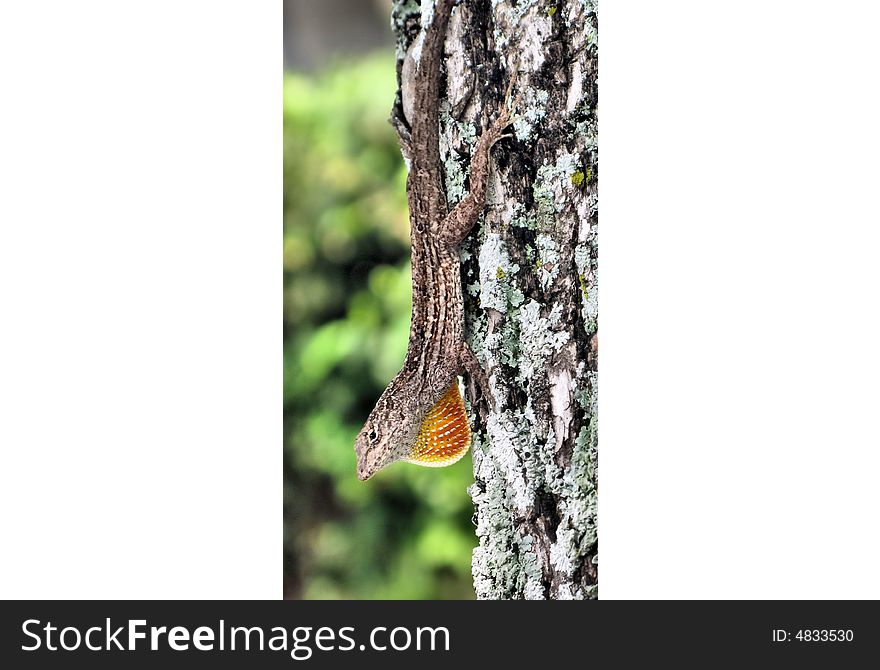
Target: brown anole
(421,417)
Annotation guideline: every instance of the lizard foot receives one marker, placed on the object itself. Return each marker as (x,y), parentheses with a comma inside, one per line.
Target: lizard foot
(479,380)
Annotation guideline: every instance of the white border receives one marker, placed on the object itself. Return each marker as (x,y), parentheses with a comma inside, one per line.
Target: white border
(739,171)
(140,297)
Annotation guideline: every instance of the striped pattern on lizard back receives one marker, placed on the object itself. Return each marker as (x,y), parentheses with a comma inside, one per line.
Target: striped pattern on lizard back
(420,416)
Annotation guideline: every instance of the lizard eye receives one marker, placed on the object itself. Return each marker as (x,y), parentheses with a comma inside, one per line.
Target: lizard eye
(372,436)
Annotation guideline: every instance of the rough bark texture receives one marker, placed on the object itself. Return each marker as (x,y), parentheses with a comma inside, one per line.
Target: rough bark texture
(530,284)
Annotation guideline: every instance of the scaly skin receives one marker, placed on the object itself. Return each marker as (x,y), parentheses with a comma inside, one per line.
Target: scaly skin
(437,351)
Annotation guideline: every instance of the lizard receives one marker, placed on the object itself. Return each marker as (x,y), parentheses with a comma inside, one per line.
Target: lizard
(421,417)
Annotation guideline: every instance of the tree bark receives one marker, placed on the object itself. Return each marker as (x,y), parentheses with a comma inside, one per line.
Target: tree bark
(529,272)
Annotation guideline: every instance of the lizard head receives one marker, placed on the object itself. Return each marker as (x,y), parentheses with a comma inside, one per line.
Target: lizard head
(386,437)
(436,438)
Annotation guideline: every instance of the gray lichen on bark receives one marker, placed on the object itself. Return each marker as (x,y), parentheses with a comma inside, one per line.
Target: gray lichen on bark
(530,274)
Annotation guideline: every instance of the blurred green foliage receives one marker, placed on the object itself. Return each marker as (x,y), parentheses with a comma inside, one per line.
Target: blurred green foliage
(407,532)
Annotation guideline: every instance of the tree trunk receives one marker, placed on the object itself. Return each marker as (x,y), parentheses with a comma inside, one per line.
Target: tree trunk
(529,272)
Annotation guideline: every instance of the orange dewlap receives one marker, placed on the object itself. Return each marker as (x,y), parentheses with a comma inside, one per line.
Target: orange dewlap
(444,436)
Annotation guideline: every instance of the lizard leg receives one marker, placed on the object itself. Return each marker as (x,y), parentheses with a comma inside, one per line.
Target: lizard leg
(461,219)
(478,376)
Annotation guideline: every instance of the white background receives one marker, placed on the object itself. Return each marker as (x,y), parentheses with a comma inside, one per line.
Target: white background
(140,299)
(740,233)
